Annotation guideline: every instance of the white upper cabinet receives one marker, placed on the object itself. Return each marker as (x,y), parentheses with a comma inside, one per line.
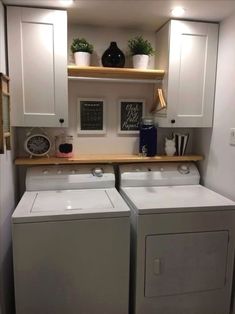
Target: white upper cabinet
(37,51)
(187,51)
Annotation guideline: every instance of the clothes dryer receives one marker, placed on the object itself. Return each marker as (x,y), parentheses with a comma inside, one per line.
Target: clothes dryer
(182,241)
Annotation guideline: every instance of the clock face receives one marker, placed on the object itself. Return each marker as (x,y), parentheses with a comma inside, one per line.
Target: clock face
(37,145)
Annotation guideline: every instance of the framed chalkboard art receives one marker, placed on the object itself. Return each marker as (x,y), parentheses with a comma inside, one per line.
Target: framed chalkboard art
(91,116)
(131,112)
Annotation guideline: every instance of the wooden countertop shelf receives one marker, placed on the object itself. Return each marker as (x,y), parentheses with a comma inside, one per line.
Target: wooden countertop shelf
(110,159)
(114,73)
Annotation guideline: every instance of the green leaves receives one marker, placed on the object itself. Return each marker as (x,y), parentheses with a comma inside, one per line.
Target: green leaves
(81,45)
(139,46)
(136,45)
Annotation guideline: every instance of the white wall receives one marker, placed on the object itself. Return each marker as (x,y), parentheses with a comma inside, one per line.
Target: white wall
(7,203)
(2,40)
(218,169)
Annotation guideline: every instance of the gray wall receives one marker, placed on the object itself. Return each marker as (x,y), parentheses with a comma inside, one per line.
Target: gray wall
(7,203)
(218,169)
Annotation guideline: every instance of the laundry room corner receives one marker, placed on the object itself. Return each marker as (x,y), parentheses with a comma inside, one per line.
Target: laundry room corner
(214,144)
(7,203)
(117,157)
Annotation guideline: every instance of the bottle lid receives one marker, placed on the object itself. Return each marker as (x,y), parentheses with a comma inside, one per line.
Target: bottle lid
(148,121)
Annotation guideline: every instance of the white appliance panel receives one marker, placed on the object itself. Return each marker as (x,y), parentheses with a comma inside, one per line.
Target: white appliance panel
(185,263)
(70,204)
(175,199)
(71,267)
(47,201)
(68,177)
(159,174)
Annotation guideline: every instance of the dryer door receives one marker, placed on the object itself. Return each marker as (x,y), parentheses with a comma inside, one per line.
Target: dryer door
(186,262)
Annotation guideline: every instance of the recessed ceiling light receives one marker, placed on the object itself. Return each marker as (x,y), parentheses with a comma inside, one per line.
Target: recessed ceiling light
(66,3)
(178,11)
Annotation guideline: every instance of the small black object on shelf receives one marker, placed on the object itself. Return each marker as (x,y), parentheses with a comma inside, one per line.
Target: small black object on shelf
(65,148)
(113,57)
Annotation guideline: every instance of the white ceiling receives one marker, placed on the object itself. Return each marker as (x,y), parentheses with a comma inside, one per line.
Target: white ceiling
(141,14)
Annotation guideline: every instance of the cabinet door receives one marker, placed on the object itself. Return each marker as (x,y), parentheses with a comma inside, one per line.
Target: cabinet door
(185,263)
(192,71)
(37,50)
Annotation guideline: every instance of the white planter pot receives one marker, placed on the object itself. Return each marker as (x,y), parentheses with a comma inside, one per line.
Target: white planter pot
(82,59)
(140,61)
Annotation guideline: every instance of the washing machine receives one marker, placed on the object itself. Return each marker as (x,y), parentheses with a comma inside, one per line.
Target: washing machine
(71,242)
(182,241)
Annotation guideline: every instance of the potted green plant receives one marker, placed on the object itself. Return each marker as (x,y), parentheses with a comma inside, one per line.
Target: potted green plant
(82,51)
(140,50)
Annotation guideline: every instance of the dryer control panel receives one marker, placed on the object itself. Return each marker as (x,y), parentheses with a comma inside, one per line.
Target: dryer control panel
(159,174)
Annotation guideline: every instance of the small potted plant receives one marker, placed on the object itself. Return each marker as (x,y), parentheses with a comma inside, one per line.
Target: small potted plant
(140,49)
(82,50)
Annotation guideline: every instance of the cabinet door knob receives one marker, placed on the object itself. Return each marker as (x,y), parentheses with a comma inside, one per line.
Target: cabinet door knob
(61,121)
(173,121)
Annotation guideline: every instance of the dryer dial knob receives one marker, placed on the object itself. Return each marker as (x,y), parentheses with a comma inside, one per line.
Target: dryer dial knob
(184,169)
(97,172)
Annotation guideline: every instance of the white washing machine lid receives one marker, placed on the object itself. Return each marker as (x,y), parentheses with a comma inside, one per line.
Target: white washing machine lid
(165,199)
(70,204)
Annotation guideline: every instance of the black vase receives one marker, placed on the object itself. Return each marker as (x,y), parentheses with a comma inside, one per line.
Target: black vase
(113,57)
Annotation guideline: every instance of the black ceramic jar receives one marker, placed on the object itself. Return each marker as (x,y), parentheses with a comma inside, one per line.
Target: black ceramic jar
(113,57)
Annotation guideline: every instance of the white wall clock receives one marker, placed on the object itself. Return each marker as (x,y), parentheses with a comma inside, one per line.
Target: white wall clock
(37,145)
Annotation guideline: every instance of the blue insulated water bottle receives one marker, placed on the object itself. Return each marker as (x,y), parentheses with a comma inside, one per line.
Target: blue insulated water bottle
(148,138)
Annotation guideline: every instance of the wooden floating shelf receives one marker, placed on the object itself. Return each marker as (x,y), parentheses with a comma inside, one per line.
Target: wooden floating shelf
(106,159)
(114,73)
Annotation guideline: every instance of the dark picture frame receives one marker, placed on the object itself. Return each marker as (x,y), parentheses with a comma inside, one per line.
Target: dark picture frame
(91,116)
(131,112)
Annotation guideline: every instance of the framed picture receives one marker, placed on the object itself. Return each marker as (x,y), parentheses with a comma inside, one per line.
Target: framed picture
(5,128)
(131,112)
(91,116)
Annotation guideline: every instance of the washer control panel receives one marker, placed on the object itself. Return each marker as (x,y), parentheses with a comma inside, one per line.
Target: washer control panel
(67,177)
